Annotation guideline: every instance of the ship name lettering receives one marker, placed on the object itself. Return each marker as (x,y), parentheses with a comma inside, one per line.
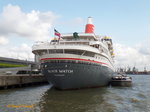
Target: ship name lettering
(65,71)
(52,71)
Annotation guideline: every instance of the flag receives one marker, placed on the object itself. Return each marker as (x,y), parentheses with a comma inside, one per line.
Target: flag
(56,33)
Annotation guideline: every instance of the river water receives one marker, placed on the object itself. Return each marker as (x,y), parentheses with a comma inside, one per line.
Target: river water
(105,99)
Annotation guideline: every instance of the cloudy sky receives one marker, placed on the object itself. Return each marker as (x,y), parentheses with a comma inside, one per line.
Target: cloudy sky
(22,22)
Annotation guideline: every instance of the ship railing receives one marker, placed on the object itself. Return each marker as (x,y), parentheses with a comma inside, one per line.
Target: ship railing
(47,43)
(74,40)
(46,46)
(61,44)
(39,43)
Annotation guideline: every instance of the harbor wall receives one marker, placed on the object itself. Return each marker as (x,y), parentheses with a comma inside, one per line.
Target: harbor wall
(20,80)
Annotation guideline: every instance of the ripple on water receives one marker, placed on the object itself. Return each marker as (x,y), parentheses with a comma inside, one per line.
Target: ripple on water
(141,95)
(134,100)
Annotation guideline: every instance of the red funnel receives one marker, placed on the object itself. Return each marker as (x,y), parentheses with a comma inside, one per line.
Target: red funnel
(89,28)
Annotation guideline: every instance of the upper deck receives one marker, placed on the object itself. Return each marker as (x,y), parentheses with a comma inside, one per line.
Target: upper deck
(69,36)
(85,41)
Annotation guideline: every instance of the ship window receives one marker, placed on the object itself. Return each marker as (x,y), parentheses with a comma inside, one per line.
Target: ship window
(41,66)
(56,51)
(73,52)
(45,66)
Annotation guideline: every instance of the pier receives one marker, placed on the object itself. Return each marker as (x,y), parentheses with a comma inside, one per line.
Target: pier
(19,73)
(10,81)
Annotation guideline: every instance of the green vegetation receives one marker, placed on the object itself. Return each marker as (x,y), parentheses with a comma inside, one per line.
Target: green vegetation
(3,65)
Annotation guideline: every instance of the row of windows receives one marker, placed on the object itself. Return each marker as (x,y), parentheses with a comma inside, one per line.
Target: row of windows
(102,58)
(67,52)
(102,49)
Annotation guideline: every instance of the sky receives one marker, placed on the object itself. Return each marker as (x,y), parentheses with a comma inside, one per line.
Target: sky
(127,22)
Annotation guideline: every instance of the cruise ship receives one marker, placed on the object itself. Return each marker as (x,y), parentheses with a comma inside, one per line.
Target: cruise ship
(76,60)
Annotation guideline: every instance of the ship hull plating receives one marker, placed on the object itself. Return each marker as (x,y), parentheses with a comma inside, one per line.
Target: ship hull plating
(76,75)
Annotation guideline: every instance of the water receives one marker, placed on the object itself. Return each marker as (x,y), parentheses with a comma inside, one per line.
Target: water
(106,99)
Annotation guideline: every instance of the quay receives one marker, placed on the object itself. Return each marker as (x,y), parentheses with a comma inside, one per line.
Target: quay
(12,81)
(19,73)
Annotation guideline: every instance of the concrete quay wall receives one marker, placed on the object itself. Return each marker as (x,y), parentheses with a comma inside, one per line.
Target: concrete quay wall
(14,80)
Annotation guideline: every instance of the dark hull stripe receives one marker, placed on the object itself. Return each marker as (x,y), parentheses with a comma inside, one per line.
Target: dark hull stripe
(74,59)
(76,75)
